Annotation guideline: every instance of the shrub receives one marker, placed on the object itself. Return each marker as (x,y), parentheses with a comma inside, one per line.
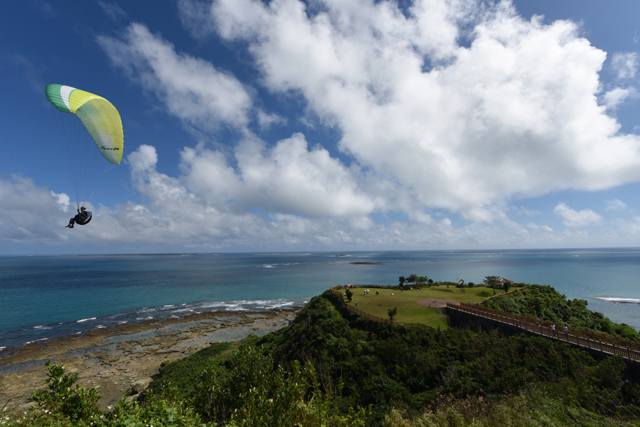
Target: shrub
(250,391)
(349,294)
(61,397)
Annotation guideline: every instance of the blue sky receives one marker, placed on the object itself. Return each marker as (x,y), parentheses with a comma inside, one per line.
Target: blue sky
(326,125)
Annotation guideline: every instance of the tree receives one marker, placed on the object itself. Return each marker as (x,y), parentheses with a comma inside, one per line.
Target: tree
(349,294)
(412,279)
(492,282)
(422,280)
(392,313)
(402,280)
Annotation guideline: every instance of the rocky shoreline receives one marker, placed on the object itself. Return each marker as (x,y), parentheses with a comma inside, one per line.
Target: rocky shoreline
(127,356)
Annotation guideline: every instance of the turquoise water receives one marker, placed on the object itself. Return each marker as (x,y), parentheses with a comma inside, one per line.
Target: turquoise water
(43,297)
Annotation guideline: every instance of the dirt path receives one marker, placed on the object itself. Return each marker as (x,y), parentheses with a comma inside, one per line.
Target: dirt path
(438,304)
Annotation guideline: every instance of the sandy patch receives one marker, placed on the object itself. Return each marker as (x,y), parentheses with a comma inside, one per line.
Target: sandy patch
(438,304)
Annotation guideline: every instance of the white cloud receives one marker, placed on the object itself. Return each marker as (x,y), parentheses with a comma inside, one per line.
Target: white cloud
(287,178)
(29,213)
(614,205)
(536,227)
(625,64)
(143,159)
(62,201)
(175,218)
(191,89)
(266,120)
(426,124)
(112,10)
(291,178)
(631,227)
(617,96)
(573,218)
(514,115)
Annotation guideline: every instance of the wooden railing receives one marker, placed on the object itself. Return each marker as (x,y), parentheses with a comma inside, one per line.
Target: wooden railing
(589,339)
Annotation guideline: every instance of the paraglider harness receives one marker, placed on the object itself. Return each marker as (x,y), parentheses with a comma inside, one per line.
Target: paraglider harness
(83,219)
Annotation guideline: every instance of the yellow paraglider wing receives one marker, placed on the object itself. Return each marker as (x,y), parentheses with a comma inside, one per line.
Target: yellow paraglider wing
(99,117)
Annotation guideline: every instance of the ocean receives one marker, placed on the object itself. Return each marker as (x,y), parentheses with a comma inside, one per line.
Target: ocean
(43,297)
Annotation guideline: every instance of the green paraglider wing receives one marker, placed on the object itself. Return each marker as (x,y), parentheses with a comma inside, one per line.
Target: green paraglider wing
(99,117)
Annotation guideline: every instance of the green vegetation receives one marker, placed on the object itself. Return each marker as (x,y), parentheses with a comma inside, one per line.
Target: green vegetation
(378,366)
(378,301)
(61,397)
(66,403)
(333,367)
(545,303)
(184,373)
(349,294)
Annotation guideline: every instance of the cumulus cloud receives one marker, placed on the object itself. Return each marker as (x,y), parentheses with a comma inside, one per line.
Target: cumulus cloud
(448,108)
(143,159)
(266,120)
(573,218)
(31,213)
(177,218)
(614,205)
(291,178)
(631,227)
(625,64)
(513,115)
(536,227)
(192,89)
(616,96)
(287,178)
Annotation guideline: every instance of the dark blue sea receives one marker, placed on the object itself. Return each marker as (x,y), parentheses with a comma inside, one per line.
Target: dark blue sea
(42,297)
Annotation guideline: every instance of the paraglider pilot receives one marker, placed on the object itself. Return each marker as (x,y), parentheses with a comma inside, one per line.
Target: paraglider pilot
(83,217)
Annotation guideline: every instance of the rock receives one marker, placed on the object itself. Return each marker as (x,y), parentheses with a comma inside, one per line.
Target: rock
(110,368)
(137,388)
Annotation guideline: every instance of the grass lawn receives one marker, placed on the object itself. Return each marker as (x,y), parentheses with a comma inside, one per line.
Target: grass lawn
(409,311)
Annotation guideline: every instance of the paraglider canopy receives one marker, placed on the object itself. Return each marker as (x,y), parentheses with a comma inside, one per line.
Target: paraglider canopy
(99,117)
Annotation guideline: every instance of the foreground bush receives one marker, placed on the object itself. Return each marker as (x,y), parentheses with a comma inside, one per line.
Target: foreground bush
(66,403)
(250,393)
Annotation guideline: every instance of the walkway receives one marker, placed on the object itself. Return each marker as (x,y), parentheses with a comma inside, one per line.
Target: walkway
(608,344)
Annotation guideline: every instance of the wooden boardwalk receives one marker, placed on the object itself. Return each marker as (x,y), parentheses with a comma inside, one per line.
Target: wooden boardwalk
(605,343)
